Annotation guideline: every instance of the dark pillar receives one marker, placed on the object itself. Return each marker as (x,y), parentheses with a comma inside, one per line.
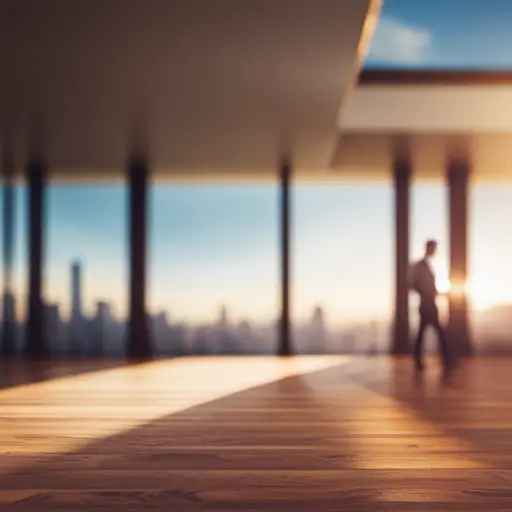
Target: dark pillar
(35,338)
(9,314)
(139,344)
(458,324)
(402,182)
(284,326)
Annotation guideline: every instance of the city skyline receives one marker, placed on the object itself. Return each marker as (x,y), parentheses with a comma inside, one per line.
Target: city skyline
(102,333)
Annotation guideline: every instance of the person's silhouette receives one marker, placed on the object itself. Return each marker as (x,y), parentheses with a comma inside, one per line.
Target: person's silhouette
(423,282)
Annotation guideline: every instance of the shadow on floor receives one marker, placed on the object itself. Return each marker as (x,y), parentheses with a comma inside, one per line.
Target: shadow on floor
(472,405)
(283,446)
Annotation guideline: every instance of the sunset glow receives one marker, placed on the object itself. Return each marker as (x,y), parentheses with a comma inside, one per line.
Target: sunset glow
(480,293)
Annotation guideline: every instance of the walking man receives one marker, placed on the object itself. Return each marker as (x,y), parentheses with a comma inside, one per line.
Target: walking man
(423,282)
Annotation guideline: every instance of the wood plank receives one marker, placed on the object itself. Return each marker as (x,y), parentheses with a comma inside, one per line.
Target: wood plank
(360,435)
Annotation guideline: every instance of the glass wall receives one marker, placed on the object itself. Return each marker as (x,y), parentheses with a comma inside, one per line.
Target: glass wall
(18,299)
(490,274)
(86,269)
(429,220)
(490,285)
(214,263)
(214,266)
(342,260)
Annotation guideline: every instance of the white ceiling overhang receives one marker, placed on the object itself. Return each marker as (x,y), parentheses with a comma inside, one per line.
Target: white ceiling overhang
(436,113)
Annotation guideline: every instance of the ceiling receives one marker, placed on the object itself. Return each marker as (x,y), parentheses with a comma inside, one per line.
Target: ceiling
(435,113)
(369,155)
(212,87)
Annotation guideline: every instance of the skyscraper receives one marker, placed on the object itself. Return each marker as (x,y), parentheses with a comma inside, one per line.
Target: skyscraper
(224,342)
(317,332)
(8,331)
(76,322)
(76,290)
(223,316)
(53,328)
(101,328)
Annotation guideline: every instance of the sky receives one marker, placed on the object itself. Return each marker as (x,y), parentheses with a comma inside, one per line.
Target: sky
(218,245)
(443,34)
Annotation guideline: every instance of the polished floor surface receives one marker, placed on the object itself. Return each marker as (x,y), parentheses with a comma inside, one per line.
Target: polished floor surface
(242,434)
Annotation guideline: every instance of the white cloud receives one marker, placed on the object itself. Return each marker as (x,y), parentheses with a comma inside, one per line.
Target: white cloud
(398,42)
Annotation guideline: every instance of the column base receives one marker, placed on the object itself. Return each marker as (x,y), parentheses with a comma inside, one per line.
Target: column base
(459,334)
(401,339)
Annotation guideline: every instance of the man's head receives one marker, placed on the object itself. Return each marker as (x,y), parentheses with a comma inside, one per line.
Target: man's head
(430,248)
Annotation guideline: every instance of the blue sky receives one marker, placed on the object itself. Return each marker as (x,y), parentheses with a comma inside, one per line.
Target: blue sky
(444,33)
(215,245)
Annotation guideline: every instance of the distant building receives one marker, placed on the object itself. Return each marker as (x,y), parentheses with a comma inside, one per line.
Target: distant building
(223,317)
(53,325)
(161,334)
(202,341)
(77,325)
(245,338)
(178,340)
(223,341)
(76,290)
(317,333)
(8,331)
(101,325)
(349,343)
(8,307)
(311,338)
(266,338)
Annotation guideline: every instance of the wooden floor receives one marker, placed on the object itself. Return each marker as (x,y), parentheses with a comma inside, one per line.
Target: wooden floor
(241,434)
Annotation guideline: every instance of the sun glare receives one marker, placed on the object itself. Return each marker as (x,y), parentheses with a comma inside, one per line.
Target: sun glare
(480,294)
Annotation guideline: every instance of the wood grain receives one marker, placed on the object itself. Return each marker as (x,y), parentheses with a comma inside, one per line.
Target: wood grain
(228,434)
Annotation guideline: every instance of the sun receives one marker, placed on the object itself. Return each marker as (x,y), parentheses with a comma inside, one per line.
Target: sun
(480,294)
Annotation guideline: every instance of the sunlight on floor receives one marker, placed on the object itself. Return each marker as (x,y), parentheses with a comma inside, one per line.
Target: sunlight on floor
(413,442)
(105,403)
(387,434)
